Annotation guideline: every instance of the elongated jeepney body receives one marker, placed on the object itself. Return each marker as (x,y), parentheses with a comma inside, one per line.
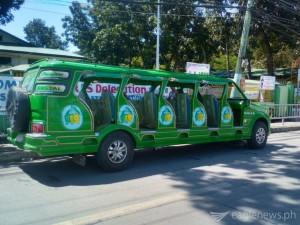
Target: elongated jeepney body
(55,111)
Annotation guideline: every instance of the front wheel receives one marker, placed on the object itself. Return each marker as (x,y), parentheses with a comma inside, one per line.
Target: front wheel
(116,152)
(259,136)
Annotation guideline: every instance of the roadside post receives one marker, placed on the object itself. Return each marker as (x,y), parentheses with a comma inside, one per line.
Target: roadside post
(298,81)
(243,46)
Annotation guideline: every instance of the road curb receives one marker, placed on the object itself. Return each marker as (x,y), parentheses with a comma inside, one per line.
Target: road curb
(9,153)
(280,129)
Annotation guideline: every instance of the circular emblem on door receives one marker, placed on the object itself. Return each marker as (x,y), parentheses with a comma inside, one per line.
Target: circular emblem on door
(126,115)
(226,114)
(72,117)
(165,115)
(199,116)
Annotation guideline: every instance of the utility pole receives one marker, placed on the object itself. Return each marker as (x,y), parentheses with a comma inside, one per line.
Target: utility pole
(157,34)
(243,44)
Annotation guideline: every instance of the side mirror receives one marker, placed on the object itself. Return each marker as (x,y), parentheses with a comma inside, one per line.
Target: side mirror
(248,102)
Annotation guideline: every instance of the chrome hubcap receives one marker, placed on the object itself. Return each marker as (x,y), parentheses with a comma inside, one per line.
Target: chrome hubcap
(260,135)
(117,151)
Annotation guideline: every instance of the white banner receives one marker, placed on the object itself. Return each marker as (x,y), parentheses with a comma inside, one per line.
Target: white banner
(267,83)
(197,68)
(5,83)
(94,90)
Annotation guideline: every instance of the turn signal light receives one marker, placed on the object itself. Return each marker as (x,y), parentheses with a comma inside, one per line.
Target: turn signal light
(37,128)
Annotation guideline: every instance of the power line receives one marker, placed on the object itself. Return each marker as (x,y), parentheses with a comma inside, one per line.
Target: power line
(47,3)
(166,14)
(286,6)
(176,4)
(135,12)
(276,29)
(45,11)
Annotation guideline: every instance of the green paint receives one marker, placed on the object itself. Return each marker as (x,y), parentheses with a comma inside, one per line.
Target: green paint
(74,126)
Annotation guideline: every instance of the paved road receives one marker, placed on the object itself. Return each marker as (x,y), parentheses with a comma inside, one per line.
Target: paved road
(181,185)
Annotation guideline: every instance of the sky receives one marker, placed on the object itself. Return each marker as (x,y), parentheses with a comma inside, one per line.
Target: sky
(51,11)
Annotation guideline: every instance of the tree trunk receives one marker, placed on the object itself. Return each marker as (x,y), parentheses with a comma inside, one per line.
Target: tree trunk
(269,54)
(204,54)
(227,59)
(249,69)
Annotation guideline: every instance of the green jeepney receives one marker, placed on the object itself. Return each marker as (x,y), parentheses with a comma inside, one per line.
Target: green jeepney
(54,112)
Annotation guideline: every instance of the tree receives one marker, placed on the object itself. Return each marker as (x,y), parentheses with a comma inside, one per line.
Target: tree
(182,35)
(224,36)
(121,33)
(80,30)
(275,29)
(5,10)
(117,33)
(112,33)
(39,35)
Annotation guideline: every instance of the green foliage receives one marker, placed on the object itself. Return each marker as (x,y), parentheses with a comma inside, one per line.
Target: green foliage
(275,34)
(39,35)
(112,33)
(119,33)
(218,62)
(80,30)
(6,6)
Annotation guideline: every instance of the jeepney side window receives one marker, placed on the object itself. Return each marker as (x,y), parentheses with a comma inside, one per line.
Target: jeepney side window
(99,94)
(135,92)
(95,88)
(143,95)
(179,97)
(174,88)
(212,89)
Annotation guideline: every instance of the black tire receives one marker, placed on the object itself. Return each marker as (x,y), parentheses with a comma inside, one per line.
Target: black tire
(259,136)
(116,152)
(18,109)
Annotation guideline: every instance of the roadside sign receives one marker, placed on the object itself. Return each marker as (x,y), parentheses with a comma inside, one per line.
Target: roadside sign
(267,83)
(197,68)
(5,83)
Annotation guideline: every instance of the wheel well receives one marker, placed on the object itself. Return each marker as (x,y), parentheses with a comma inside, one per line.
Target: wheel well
(124,131)
(264,121)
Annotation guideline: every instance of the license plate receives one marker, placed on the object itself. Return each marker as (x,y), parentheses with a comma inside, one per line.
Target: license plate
(20,138)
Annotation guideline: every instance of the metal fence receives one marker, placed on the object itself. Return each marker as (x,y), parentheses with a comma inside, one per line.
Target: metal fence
(283,112)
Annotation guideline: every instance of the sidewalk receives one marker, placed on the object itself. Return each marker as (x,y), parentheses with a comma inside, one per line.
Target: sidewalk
(9,153)
(284,127)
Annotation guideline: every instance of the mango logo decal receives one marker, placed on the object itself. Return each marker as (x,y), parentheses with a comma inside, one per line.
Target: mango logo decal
(72,117)
(126,115)
(226,114)
(199,116)
(165,115)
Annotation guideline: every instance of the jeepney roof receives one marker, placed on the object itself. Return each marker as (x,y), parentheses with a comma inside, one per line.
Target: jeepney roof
(99,69)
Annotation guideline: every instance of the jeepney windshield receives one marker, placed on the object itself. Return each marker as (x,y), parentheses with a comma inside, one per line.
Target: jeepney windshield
(237,94)
(29,80)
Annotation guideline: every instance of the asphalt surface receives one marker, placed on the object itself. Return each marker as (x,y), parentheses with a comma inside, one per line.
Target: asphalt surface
(200,184)
(10,153)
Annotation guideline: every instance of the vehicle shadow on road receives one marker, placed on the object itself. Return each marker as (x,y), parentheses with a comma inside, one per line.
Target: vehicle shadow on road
(261,187)
(241,182)
(62,171)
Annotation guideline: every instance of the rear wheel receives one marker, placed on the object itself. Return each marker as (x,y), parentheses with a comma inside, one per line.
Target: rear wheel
(116,152)
(259,136)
